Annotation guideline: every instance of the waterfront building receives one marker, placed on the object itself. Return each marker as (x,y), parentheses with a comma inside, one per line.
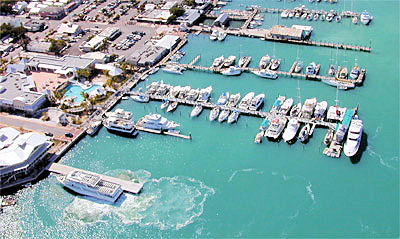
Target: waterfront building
(168,42)
(147,55)
(222,20)
(286,33)
(7,136)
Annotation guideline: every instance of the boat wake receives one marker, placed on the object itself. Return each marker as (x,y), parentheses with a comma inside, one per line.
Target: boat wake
(382,161)
(310,192)
(377,131)
(240,170)
(168,203)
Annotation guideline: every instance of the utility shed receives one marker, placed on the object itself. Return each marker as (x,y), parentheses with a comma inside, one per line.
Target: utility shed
(286,33)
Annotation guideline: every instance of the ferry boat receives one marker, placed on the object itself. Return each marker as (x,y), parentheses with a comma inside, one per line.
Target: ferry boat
(256,102)
(157,122)
(296,110)
(365,18)
(232,71)
(93,127)
(298,67)
(277,104)
(355,72)
(286,106)
(172,106)
(223,115)
(120,121)
(233,117)
(174,69)
(291,130)
(266,73)
(222,36)
(275,129)
(320,109)
(310,69)
(196,110)
(218,61)
(214,35)
(243,60)
(214,113)
(233,100)
(308,108)
(245,102)
(304,133)
(264,61)
(141,98)
(353,137)
(229,61)
(92,185)
(223,99)
(205,94)
(275,64)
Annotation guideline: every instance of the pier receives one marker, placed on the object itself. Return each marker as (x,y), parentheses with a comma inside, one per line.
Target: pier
(127,186)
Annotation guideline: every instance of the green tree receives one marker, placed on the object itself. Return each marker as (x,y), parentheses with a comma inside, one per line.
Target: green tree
(86,73)
(189,2)
(57,45)
(177,11)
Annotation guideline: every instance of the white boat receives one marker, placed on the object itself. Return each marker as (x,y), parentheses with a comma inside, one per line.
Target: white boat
(245,102)
(120,121)
(184,92)
(94,126)
(258,138)
(243,60)
(275,64)
(125,97)
(338,18)
(193,94)
(233,100)
(229,61)
(174,91)
(308,108)
(214,113)
(265,73)
(298,14)
(298,67)
(291,130)
(214,35)
(151,89)
(365,18)
(278,103)
(344,72)
(233,117)
(285,13)
(328,137)
(165,104)
(355,72)
(232,71)
(320,109)
(223,115)
(291,14)
(162,89)
(296,110)
(205,94)
(329,17)
(355,20)
(316,16)
(256,102)
(353,137)
(172,106)
(332,70)
(304,16)
(322,17)
(310,69)
(92,185)
(304,133)
(223,99)
(218,61)
(174,69)
(222,36)
(157,122)
(196,110)
(310,16)
(286,106)
(275,128)
(264,61)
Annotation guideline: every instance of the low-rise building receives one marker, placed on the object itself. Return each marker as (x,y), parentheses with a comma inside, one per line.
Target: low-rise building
(17,93)
(99,57)
(52,12)
(7,136)
(34,26)
(19,7)
(21,162)
(69,29)
(110,33)
(148,55)
(168,42)
(93,44)
(190,17)
(286,33)
(222,20)
(38,46)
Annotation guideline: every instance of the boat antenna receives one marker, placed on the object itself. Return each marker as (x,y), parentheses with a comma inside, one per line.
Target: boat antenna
(298,91)
(337,96)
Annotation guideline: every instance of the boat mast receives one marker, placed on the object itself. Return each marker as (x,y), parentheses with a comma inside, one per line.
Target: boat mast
(337,96)
(298,91)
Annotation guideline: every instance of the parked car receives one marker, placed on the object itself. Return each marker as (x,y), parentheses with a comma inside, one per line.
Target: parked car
(49,134)
(69,135)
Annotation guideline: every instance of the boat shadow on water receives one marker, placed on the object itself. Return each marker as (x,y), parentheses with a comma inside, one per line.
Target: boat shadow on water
(363,147)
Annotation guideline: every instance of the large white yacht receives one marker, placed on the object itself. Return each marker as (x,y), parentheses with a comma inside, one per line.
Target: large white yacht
(308,108)
(157,122)
(291,130)
(353,137)
(266,73)
(204,94)
(174,69)
(320,109)
(232,71)
(245,102)
(275,128)
(264,61)
(286,106)
(256,102)
(92,185)
(229,61)
(234,99)
(120,121)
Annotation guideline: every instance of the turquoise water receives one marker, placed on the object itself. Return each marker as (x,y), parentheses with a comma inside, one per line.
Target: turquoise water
(76,91)
(221,184)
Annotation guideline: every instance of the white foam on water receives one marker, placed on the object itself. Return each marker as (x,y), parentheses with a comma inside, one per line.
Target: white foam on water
(382,161)
(377,131)
(240,170)
(310,192)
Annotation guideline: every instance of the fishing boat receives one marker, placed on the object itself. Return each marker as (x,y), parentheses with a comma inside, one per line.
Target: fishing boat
(310,69)
(264,73)
(218,61)
(165,104)
(320,109)
(298,67)
(214,35)
(140,98)
(245,102)
(214,113)
(264,61)
(204,94)
(223,99)
(233,100)
(232,71)
(354,135)
(355,72)
(222,36)
(277,104)
(332,70)
(172,106)
(365,18)
(275,129)
(196,110)
(174,69)
(286,106)
(304,133)
(296,110)
(233,117)
(308,108)
(275,64)
(291,130)
(256,102)
(343,73)
(229,61)
(223,115)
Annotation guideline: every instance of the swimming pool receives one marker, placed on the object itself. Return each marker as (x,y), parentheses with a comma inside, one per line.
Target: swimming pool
(76,90)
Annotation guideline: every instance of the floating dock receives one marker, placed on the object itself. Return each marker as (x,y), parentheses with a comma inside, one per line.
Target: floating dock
(127,186)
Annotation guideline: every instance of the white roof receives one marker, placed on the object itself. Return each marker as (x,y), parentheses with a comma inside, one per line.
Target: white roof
(7,136)
(304,28)
(34,10)
(168,41)
(31,5)
(21,149)
(94,41)
(68,28)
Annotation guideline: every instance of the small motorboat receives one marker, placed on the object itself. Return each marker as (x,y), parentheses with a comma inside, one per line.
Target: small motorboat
(223,115)
(332,70)
(296,109)
(299,67)
(259,137)
(338,18)
(304,133)
(196,110)
(165,104)
(172,106)
(355,20)
(328,137)
(233,117)
(214,113)
(141,98)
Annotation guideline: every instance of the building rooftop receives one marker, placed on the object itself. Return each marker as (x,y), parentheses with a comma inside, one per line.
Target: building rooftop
(286,31)
(94,42)
(68,28)
(60,63)
(37,46)
(109,32)
(168,41)
(7,136)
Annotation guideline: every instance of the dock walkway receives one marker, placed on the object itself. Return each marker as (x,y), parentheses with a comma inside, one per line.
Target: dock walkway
(127,186)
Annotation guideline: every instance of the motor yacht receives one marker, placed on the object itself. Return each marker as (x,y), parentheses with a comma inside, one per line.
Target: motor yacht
(245,102)
(157,122)
(291,130)
(354,135)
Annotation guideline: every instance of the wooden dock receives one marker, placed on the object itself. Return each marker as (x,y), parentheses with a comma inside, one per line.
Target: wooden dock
(253,14)
(175,134)
(127,186)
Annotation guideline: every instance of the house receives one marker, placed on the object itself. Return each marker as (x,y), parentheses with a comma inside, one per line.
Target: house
(69,29)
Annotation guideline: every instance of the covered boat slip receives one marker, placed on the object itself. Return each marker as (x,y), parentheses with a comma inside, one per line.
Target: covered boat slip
(127,186)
